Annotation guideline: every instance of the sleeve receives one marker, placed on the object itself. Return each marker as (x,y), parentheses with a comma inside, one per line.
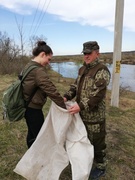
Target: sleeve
(69,95)
(45,84)
(98,92)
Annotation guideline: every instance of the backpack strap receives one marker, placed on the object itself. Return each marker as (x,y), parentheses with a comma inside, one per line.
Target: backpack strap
(23,76)
(23,73)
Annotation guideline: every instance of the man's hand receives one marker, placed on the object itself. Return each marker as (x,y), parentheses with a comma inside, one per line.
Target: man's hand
(74,109)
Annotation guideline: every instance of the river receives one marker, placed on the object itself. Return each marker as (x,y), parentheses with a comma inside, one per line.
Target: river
(127,73)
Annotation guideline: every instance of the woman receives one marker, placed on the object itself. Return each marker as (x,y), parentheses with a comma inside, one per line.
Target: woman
(38,81)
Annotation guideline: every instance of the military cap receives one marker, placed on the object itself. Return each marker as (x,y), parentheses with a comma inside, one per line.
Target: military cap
(89,46)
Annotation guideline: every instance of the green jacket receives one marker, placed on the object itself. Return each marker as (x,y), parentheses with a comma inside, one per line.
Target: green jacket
(90,90)
(38,79)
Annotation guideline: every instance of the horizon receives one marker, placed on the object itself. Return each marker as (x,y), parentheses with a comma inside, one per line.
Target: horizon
(100,53)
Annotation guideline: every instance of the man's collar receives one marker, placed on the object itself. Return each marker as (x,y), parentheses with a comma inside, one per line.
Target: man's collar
(92,64)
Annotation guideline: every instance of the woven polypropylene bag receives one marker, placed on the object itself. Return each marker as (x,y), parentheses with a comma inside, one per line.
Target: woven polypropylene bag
(47,157)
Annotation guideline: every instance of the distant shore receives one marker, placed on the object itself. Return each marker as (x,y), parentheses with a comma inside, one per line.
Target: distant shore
(127,57)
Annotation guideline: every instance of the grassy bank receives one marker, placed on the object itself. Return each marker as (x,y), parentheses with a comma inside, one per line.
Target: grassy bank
(126,58)
(120,136)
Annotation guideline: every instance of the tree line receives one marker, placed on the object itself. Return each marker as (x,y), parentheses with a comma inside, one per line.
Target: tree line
(13,57)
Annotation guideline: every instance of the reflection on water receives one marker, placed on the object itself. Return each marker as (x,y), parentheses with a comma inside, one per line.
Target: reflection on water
(70,70)
(66,69)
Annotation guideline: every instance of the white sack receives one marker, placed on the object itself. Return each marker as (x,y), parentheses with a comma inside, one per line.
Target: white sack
(47,157)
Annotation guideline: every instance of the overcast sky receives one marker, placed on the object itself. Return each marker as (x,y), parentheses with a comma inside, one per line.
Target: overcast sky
(67,24)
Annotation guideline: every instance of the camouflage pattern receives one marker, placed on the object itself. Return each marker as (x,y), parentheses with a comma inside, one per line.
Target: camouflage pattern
(89,46)
(96,135)
(91,87)
(90,91)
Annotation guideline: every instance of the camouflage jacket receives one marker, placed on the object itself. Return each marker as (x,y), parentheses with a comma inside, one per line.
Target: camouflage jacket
(90,90)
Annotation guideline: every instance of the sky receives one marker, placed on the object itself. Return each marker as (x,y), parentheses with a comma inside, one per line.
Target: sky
(67,24)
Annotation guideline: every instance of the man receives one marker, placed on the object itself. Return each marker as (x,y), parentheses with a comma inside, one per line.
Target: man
(90,91)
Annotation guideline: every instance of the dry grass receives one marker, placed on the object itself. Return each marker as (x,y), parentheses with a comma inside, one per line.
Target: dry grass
(120,136)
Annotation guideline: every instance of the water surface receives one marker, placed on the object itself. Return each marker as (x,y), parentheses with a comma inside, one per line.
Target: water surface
(127,73)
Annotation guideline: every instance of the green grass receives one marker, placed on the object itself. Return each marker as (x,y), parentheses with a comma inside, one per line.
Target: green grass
(120,136)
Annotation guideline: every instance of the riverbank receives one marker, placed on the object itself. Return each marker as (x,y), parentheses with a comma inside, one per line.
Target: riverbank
(128,57)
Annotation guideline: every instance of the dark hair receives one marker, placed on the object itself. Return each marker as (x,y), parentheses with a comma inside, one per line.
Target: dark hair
(42,47)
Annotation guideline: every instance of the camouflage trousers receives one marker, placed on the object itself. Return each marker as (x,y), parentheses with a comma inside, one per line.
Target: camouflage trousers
(96,134)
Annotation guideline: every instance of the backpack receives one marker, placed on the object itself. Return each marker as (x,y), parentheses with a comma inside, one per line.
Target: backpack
(13,104)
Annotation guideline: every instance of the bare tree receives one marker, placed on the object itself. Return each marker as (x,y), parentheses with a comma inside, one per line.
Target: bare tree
(21,33)
(9,52)
(33,40)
